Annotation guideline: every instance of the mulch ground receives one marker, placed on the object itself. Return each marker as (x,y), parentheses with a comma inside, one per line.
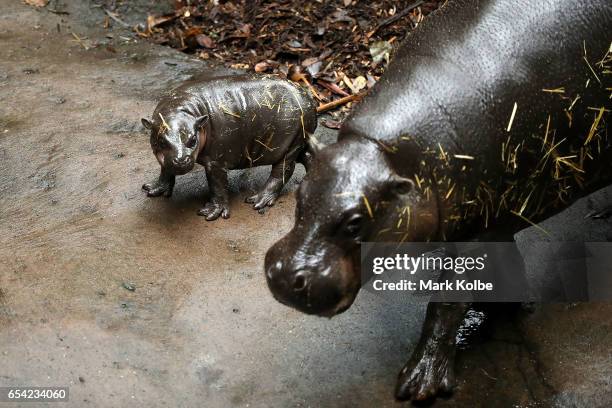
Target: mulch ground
(337,48)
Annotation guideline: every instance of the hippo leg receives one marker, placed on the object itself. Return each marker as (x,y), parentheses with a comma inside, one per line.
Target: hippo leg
(218,205)
(163,185)
(305,158)
(281,173)
(431,368)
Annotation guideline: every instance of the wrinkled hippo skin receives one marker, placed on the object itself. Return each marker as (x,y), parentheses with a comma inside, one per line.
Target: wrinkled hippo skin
(434,129)
(231,122)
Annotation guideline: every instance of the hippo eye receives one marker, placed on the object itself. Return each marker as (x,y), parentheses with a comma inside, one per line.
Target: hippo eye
(353,224)
(162,143)
(191,142)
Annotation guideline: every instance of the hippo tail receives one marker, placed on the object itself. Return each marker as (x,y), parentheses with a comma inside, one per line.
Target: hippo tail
(310,119)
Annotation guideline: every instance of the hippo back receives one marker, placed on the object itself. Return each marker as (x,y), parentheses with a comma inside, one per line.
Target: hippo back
(456,78)
(497,107)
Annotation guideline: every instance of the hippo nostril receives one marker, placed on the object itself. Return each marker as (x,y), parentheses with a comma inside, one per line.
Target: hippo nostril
(274,269)
(300,282)
(182,161)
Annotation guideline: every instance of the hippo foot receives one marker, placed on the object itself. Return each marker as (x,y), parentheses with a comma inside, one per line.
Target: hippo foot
(428,373)
(212,211)
(157,188)
(262,200)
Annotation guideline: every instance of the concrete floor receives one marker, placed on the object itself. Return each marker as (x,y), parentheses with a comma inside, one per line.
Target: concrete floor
(75,228)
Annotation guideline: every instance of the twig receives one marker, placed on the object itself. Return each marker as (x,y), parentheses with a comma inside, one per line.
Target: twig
(80,41)
(333,87)
(296,75)
(512,117)
(395,17)
(339,102)
(530,222)
(367,204)
(58,12)
(117,19)
(270,149)
(311,89)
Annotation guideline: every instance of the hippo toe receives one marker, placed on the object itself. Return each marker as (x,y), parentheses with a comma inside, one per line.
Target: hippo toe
(425,376)
(211,211)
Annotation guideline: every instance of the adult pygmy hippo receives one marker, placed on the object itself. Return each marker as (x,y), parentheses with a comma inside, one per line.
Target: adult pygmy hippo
(492,113)
(231,122)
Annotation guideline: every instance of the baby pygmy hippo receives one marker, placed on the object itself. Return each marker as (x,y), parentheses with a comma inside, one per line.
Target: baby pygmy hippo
(231,122)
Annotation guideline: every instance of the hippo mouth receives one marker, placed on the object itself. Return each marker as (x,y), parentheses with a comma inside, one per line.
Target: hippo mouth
(347,269)
(180,167)
(326,293)
(180,170)
(175,166)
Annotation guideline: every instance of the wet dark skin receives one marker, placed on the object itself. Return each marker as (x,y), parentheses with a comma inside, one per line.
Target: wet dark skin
(226,123)
(431,132)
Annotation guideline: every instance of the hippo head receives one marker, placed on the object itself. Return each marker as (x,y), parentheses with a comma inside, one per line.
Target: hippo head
(350,195)
(177,140)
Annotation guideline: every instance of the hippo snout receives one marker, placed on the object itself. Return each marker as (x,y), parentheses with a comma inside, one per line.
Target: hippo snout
(303,291)
(182,165)
(310,284)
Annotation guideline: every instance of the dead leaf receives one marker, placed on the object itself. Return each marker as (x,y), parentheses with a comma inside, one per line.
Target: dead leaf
(328,40)
(333,87)
(153,21)
(262,66)
(358,84)
(341,16)
(205,41)
(315,68)
(325,54)
(381,50)
(331,124)
(37,3)
(348,82)
(309,61)
(243,31)
(320,29)
(371,81)
(192,32)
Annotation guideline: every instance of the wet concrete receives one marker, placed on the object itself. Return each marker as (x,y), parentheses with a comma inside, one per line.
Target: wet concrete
(200,327)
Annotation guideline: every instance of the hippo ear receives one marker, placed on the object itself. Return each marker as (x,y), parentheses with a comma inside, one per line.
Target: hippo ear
(148,125)
(201,122)
(398,185)
(310,151)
